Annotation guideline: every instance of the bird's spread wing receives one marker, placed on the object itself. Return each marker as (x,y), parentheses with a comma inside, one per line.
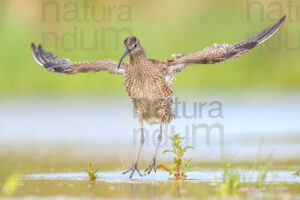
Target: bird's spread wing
(62,65)
(222,52)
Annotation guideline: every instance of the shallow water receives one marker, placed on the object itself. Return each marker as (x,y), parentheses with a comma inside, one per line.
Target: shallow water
(95,128)
(160,176)
(114,185)
(47,140)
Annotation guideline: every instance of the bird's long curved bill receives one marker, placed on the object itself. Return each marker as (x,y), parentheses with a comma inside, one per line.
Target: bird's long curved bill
(127,51)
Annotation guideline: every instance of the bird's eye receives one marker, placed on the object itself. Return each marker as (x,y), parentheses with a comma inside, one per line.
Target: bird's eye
(134,45)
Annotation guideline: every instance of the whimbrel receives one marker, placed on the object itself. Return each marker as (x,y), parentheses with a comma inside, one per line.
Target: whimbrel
(147,81)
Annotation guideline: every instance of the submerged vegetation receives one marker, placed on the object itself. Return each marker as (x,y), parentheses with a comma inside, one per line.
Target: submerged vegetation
(180,165)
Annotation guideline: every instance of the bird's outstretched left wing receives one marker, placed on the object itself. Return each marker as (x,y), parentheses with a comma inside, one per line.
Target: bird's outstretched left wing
(62,65)
(222,52)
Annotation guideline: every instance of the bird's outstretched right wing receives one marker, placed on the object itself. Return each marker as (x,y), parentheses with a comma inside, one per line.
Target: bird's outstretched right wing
(62,65)
(222,52)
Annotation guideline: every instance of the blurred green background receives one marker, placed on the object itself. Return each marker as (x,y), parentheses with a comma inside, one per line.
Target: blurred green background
(67,28)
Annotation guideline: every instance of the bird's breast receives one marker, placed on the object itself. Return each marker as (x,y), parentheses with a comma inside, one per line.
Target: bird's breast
(151,96)
(149,85)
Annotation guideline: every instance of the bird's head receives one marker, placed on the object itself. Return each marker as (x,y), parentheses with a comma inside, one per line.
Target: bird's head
(132,46)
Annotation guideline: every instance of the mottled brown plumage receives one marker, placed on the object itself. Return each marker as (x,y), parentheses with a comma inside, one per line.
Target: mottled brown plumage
(147,81)
(146,85)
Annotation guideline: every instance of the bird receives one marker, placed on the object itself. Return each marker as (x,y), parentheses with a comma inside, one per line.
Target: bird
(148,82)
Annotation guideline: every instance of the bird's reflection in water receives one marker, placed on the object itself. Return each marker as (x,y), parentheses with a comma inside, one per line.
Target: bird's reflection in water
(138,191)
(135,190)
(153,191)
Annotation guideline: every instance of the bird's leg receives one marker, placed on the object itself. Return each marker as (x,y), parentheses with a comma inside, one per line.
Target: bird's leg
(134,166)
(153,162)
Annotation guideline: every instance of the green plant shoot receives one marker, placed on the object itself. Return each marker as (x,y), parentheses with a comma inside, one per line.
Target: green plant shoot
(180,164)
(92,172)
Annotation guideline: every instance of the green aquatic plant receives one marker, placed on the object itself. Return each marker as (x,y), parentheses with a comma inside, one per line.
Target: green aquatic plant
(92,172)
(262,173)
(231,178)
(297,173)
(11,185)
(180,165)
(262,168)
(231,182)
(234,181)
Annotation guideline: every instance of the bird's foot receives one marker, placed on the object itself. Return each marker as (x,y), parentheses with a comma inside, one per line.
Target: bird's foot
(151,166)
(132,169)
